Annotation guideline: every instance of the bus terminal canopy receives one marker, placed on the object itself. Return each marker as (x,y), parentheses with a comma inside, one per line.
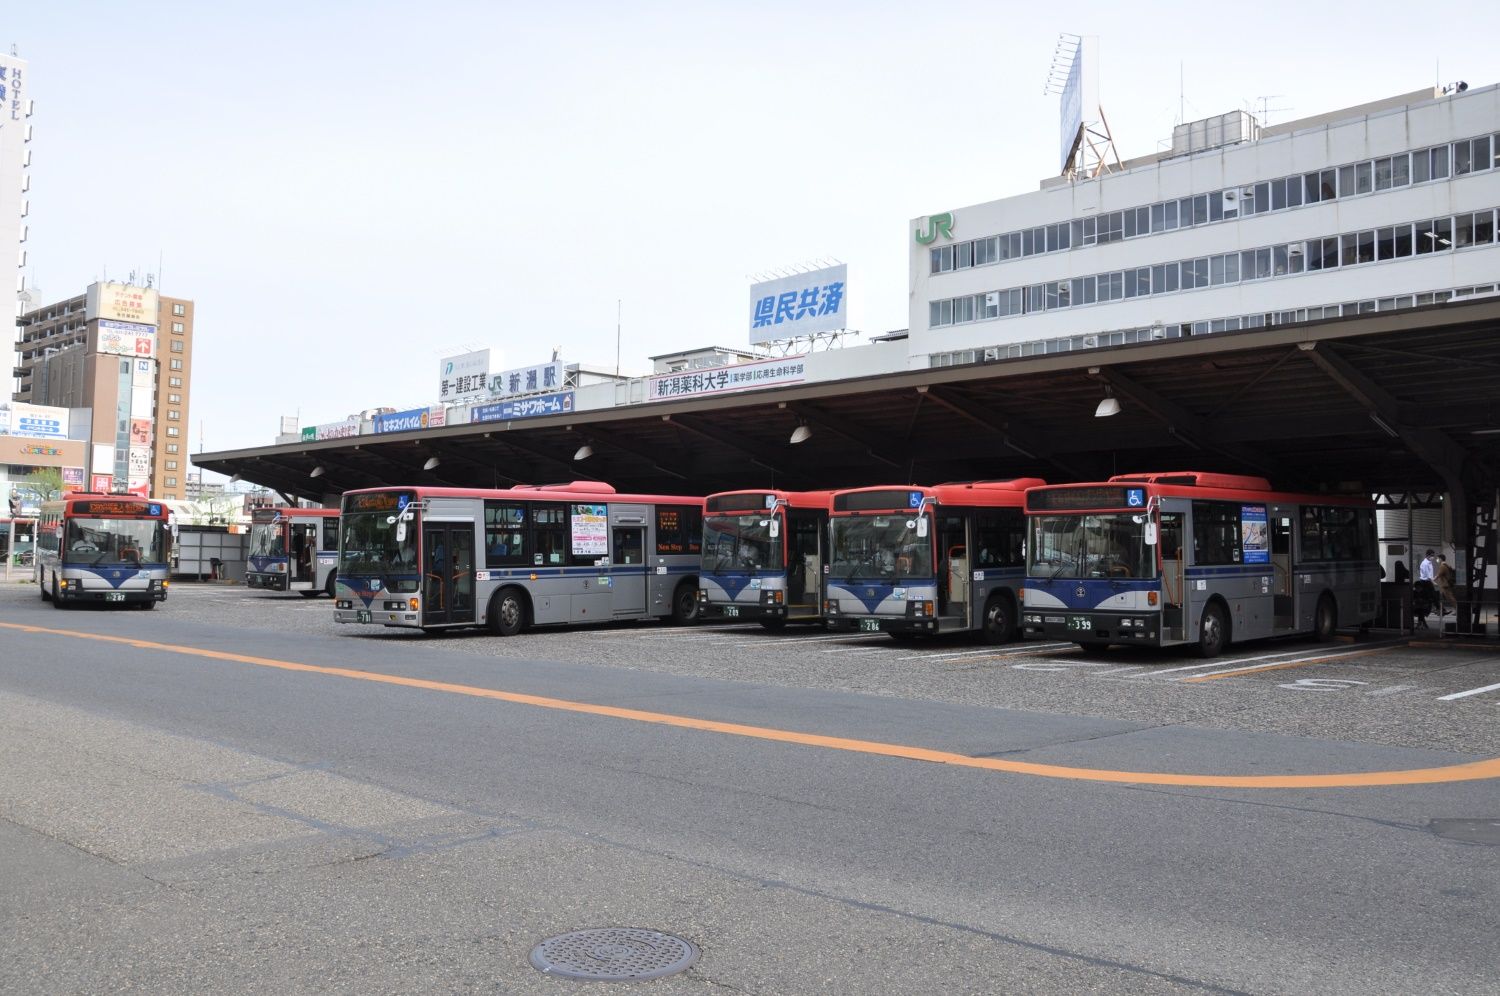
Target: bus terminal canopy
(1392,402)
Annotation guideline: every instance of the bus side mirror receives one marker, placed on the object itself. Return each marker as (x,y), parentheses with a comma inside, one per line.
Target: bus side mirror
(775,527)
(400,532)
(922,526)
(1150,534)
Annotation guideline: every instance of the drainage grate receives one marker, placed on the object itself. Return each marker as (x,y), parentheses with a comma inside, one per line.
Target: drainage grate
(1472,831)
(613,954)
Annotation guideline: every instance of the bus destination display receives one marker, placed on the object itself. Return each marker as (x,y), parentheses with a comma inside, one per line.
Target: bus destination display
(1079,499)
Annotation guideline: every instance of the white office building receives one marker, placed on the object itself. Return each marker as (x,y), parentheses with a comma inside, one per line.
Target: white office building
(1387,205)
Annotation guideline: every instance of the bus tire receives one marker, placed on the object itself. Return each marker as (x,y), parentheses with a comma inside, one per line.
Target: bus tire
(328,588)
(773,625)
(507,614)
(1213,632)
(149,605)
(998,623)
(685,603)
(1093,649)
(1325,619)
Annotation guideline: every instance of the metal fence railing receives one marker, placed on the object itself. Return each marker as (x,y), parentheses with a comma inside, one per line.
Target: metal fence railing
(1402,610)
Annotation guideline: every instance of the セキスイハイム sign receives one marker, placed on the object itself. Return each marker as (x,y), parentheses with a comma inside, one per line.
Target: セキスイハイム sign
(414,418)
(802,304)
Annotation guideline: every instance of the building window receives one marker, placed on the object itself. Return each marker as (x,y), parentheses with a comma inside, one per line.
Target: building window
(174,399)
(171,447)
(172,430)
(174,381)
(176,364)
(171,482)
(177,327)
(171,464)
(176,345)
(174,414)
(179,309)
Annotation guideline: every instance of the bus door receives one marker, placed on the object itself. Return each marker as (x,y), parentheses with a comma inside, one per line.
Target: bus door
(447,573)
(804,562)
(1173,577)
(1284,610)
(953,565)
(628,578)
(304,547)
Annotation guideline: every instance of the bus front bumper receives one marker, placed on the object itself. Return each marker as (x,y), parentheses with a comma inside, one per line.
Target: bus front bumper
(740,610)
(112,596)
(841,623)
(270,582)
(1091,626)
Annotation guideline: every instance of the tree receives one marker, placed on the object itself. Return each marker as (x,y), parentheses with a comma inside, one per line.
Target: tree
(42,484)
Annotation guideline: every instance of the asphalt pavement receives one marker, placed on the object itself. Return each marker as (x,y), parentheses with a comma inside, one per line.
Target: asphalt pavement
(233,792)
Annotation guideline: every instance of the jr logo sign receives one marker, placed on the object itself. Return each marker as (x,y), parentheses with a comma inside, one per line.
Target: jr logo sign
(937,224)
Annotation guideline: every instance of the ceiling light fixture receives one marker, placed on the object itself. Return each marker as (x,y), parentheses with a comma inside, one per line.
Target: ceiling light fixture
(1109,406)
(584,452)
(431,463)
(316,471)
(801,434)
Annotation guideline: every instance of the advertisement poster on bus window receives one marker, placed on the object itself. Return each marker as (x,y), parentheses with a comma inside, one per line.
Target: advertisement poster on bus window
(590,530)
(1255,538)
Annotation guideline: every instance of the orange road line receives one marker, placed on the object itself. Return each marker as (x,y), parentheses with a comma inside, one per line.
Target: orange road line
(1471,771)
(1277,667)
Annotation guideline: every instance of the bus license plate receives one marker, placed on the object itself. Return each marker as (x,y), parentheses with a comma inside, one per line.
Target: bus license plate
(1080,622)
(730,611)
(114,596)
(362,615)
(869,625)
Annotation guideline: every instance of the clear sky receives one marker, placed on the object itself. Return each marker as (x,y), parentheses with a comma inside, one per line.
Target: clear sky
(350,191)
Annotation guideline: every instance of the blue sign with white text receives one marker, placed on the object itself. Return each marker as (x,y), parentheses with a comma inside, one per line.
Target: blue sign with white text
(405,421)
(530,407)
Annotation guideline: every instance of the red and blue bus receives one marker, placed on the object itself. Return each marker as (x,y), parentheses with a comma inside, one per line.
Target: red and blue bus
(104,549)
(914,561)
(763,556)
(293,549)
(548,555)
(1197,559)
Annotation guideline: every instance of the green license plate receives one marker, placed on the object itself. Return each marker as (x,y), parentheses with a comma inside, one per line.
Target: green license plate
(869,625)
(114,596)
(730,611)
(1080,622)
(362,615)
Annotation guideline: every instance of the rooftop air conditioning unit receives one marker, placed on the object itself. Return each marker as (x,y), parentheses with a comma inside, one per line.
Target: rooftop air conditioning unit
(992,352)
(1090,342)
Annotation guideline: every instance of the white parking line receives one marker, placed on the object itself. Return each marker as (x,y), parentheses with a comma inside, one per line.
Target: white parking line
(1020,648)
(1118,670)
(1472,691)
(1322,656)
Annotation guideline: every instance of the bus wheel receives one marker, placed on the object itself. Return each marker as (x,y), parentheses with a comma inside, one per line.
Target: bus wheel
(507,612)
(57,602)
(1213,632)
(328,588)
(1093,649)
(1326,619)
(148,606)
(774,625)
(999,627)
(685,604)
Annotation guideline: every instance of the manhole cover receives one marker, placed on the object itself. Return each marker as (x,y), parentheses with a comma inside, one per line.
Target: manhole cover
(613,954)
(1473,831)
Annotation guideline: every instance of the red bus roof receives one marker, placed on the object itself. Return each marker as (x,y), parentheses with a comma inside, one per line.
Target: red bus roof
(592,492)
(980,494)
(794,499)
(1196,484)
(96,503)
(289,512)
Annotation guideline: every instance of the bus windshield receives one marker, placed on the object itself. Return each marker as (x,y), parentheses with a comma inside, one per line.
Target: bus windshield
(1090,546)
(739,543)
(114,541)
(267,540)
(370,546)
(880,546)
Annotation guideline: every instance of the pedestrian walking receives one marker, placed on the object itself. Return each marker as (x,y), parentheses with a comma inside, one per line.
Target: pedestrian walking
(1443,579)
